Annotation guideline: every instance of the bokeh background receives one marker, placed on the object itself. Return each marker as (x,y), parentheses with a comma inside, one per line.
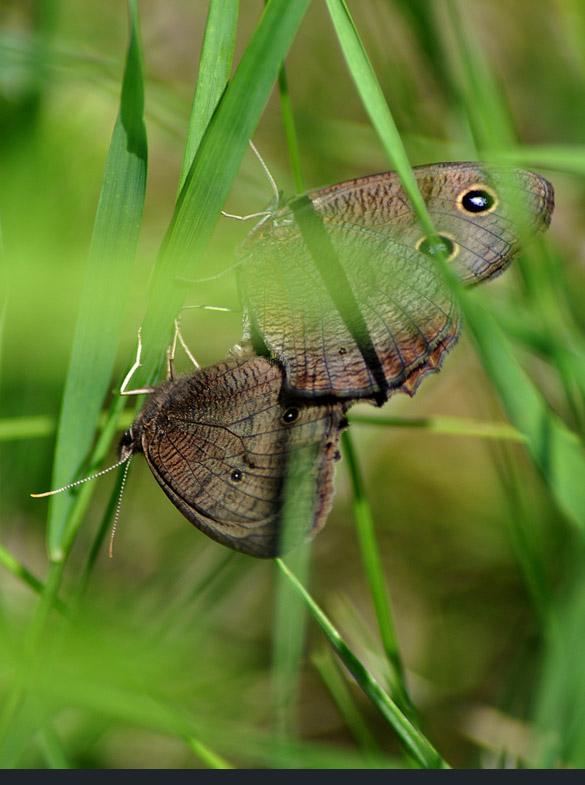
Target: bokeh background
(174,625)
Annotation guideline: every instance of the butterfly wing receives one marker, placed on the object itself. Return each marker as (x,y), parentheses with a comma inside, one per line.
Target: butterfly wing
(365,310)
(232,456)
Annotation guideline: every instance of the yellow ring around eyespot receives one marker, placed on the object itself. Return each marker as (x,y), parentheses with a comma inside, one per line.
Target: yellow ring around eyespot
(477,187)
(446,235)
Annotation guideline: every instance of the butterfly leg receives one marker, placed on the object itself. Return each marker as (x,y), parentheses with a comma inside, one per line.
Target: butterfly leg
(132,371)
(172,348)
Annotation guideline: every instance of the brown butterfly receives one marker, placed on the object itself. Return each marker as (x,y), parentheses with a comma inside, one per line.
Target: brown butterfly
(340,285)
(246,466)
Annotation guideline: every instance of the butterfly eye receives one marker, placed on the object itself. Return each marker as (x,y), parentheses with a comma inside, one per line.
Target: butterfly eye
(477,200)
(440,244)
(290,415)
(236,475)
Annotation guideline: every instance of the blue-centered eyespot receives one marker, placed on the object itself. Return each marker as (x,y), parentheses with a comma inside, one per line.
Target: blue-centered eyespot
(479,199)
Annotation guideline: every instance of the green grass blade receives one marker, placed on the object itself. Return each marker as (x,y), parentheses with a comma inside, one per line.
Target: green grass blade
(9,562)
(290,613)
(376,579)
(290,131)
(113,246)
(559,700)
(445,426)
(556,451)
(330,671)
(212,173)
(288,640)
(411,738)
(26,428)
(486,111)
(375,105)
(207,755)
(214,70)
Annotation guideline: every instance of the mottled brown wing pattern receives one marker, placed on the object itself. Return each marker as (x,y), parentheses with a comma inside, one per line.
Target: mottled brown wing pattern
(481,214)
(227,449)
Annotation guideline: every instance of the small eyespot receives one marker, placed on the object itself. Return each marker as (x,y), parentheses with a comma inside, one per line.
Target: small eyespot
(440,244)
(342,350)
(290,415)
(236,475)
(478,199)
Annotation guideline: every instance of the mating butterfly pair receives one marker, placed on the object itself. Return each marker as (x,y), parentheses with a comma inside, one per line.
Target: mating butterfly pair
(343,300)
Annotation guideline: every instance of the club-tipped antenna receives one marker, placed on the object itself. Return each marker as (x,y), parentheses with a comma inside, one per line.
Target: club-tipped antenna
(80,482)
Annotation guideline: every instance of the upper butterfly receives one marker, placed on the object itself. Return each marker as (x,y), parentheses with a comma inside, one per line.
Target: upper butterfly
(341,286)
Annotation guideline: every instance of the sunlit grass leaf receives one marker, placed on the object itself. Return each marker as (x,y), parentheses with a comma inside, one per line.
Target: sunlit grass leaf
(213,73)
(212,173)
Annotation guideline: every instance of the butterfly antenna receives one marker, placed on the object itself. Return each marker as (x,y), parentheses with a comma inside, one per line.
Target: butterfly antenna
(266,169)
(117,515)
(80,482)
(263,214)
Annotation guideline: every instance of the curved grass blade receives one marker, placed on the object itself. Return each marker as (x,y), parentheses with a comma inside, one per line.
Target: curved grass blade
(557,452)
(412,739)
(376,579)
(113,246)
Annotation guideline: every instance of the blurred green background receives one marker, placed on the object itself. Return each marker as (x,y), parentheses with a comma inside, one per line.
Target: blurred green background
(483,568)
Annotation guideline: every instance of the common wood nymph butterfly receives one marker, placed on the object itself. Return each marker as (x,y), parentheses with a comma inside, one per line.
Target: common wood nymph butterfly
(232,454)
(365,311)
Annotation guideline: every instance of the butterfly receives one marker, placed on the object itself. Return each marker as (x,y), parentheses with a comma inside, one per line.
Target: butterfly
(246,466)
(343,288)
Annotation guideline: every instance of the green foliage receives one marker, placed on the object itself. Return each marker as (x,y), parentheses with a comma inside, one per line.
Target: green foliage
(468,499)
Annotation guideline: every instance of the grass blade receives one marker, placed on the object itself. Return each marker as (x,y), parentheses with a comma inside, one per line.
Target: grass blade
(375,575)
(212,173)
(113,246)
(445,426)
(214,70)
(375,105)
(413,741)
(556,451)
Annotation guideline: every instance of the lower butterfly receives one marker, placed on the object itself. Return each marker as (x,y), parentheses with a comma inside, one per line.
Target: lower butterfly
(249,468)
